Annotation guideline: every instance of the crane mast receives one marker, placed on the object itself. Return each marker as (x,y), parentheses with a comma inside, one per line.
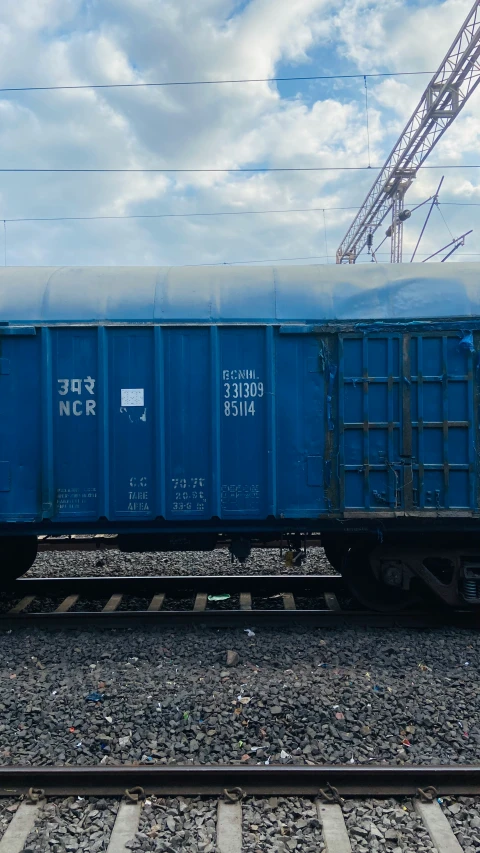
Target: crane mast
(445,96)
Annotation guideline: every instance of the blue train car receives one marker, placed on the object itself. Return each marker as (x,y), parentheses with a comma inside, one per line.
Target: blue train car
(174,406)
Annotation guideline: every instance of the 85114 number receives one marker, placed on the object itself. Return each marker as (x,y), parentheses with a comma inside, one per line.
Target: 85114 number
(237,408)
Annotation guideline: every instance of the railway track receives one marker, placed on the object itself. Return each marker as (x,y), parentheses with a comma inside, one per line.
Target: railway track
(329,788)
(227,601)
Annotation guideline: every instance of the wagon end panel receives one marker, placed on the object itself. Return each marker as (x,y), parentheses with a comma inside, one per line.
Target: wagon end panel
(21,379)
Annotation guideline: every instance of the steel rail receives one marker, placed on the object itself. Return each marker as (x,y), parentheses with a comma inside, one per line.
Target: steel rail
(349,780)
(240,619)
(149,585)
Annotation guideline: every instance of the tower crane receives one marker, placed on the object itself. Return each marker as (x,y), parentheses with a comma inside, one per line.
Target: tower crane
(446,94)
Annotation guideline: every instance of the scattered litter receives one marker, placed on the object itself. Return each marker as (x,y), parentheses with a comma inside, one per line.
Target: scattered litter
(352,760)
(244,700)
(339,716)
(71,729)
(284,754)
(378,689)
(109,719)
(78,745)
(439,800)
(406,742)
(268,760)
(124,741)
(424,667)
(245,757)
(223,597)
(94,696)
(249,632)
(186,715)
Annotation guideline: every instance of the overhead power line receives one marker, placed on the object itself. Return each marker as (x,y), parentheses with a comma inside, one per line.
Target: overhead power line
(172,215)
(303,258)
(116,216)
(165,83)
(161,170)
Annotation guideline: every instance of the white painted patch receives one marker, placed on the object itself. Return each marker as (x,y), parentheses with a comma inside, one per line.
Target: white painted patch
(132,397)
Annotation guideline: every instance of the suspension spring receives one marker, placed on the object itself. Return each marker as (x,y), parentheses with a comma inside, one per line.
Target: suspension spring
(470,589)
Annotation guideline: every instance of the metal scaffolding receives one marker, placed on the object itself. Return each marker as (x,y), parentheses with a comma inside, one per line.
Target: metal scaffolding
(443,99)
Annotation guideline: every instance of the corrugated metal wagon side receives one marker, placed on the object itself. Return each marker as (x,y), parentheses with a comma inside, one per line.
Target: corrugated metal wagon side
(184,423)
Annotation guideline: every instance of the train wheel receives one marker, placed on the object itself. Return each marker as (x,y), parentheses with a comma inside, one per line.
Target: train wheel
(371,592)
(17,555)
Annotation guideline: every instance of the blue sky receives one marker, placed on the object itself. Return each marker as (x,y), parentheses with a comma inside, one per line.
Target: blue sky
(317,123)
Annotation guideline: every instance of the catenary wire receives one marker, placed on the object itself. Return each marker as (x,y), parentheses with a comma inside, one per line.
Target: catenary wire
(233,170)
(446,224)
(303,258)
(173,215)
(161,84)
(200,213)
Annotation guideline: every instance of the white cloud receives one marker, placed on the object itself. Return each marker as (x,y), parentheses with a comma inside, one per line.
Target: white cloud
(226,126)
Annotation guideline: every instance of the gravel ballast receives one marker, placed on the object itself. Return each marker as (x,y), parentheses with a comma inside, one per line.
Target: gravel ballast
(281,824)
(183,824)
(385,825)
(262,561)
(295,696)
(75,824)
(463,815)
